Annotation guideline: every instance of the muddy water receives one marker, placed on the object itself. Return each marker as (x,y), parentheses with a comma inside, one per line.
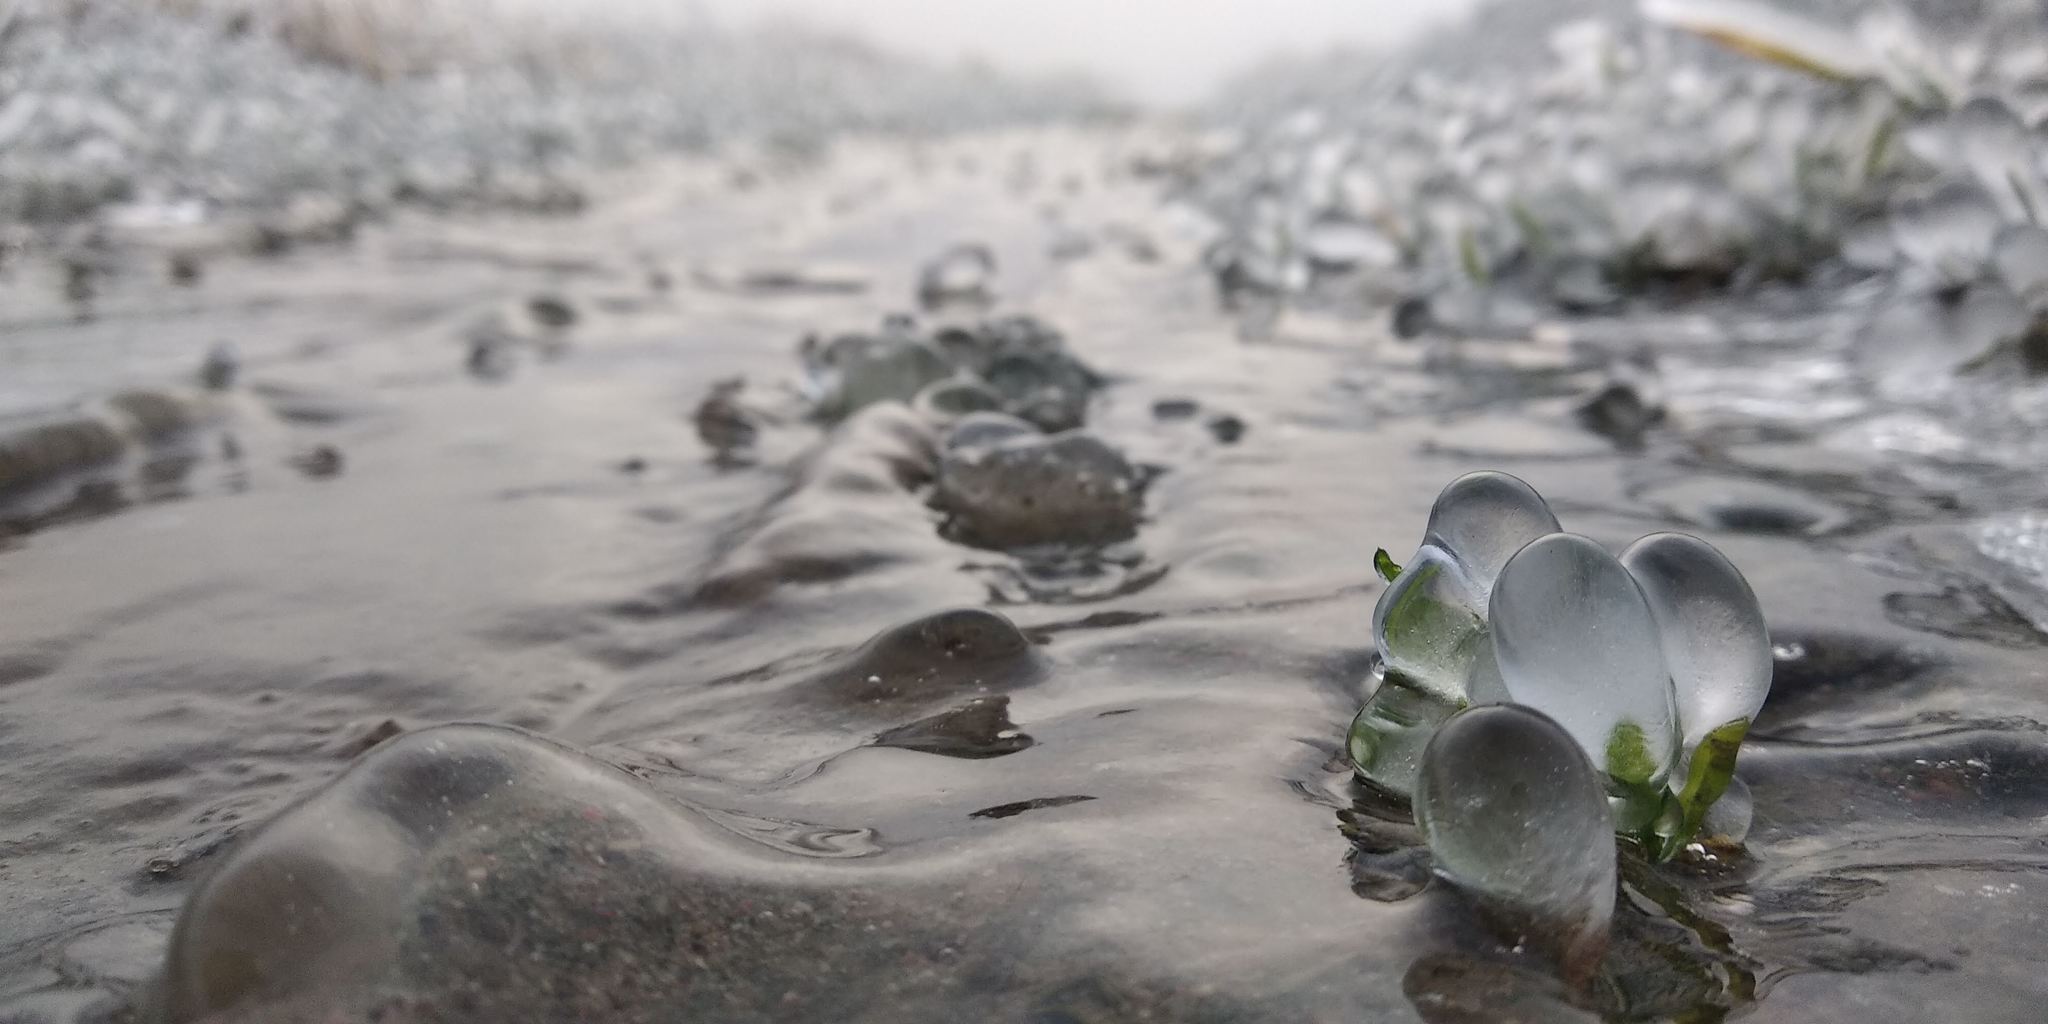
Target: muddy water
(851,800)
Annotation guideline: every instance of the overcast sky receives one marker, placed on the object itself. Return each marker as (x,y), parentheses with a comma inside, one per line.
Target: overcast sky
(1162,50)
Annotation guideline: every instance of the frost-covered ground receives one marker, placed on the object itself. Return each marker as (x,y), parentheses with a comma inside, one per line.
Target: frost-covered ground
(218,104)
(1880,162)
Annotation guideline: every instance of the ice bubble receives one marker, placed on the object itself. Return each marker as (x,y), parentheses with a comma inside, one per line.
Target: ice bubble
(854,371)
(1576,639)
(1715,643)
(2020,258)
(1517,817)
(1430,625)
(1948,230)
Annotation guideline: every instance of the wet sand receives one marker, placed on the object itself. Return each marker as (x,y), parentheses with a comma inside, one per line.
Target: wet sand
(214,637)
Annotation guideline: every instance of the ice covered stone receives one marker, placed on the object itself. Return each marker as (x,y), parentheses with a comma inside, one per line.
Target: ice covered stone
(1948,230)
(1576,639)
(956,397)
(1026,363)
(1338,244)
(1998,149)
(963,273)
(1029,489)
(2020,258)
(1715,643)
(1517,817)
(1430,625)
(1916,342)
(435,852)
(854,371)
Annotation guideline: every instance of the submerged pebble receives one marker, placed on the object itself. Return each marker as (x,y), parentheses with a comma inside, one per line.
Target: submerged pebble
(1020,489)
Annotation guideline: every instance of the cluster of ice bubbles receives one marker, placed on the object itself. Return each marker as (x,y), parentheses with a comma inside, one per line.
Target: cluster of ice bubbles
(1016,465)
(1003,403)
(178,108)
(1539,694)
(1825,151)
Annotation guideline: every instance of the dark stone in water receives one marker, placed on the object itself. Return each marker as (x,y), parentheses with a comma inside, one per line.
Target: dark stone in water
(1619,413)
(35,454)
(1069,488)
(979,729)
(551,312)
(944,655)
(218,372)
(1027,362)
(724,425)
(1766,519)
(1175,408)
(185,269)
(480,873)
(319,462)
(1411,318)
(1226,429)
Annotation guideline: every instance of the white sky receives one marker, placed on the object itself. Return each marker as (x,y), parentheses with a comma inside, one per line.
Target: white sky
(1161,50)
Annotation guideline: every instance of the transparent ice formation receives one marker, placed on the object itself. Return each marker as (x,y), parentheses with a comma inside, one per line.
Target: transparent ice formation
(1517,817)
(1430,625)
(1948,231)
(1576,638)
(1715,642)
(1018,365)
(854,371)
(2020,258)
(1516,185)
(202,105)
(1653,663)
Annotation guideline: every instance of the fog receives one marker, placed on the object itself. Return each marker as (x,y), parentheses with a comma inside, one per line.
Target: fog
(1164,51)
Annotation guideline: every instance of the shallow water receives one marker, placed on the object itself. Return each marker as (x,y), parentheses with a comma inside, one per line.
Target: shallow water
(1129,807)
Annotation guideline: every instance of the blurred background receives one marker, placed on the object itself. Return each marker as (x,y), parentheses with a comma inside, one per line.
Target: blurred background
(753,393)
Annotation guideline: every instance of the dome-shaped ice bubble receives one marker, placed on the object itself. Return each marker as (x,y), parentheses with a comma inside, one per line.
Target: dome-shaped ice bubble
(1427,626)
(1482,519)
(1948,230)
(1715,643)
(2020,256)
(1576,639)
(1729,819)
(856,371)
(444,855)
(1517,816)
(1430,625)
